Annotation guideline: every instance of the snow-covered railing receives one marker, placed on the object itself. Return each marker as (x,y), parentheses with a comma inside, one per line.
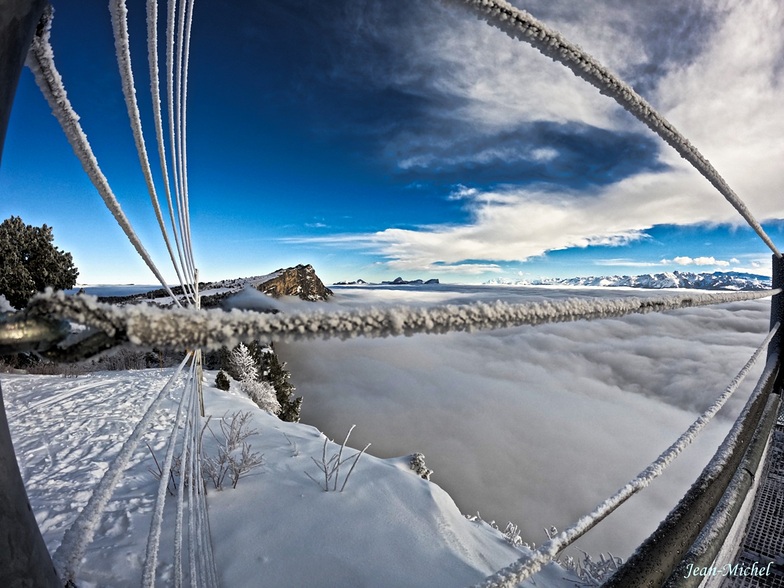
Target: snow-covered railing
(211,329)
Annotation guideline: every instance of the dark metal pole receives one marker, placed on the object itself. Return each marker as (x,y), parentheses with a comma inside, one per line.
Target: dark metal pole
(24,559)
(777,304)
(18,19)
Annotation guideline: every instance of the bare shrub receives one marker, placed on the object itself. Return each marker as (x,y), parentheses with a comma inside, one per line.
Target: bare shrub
(234,458)
(330,468)
(591,572)
(157,472)
(50,368)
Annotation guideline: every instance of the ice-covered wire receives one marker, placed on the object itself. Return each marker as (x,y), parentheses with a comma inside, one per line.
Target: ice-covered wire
(184,24)
(175,30)
(184,128)
(193,489)
(202,561)
(154,536)
(181,328)
(173,192)
(526,566)
(521,25)
(205,548)
(185,474)
(40,60)
(152,56)
(119,14)
(79,535)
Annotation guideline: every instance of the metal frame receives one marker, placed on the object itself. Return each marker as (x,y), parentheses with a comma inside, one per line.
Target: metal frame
(24,558)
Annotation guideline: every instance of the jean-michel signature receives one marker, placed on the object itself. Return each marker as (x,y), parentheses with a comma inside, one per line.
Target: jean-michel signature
(737,569)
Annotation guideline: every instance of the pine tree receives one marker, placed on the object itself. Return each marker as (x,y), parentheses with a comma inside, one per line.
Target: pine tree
(263,394)
(242,364)
(275,373)
(222,381)
(245,368)
(29,262)
(254,364)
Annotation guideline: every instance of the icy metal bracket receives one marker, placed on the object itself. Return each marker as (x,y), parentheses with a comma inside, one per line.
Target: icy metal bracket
(51,338)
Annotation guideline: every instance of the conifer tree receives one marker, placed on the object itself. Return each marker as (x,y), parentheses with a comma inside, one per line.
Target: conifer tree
(29,262)
(275,372)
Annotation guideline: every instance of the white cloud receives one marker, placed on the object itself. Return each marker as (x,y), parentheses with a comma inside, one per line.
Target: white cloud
(720,85)
(462,192)
(517,224)
(727,101)
(544,154)
(702,261)
(626,262)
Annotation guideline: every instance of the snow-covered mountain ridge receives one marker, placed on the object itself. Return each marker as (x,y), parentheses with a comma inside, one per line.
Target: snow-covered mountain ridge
(676,279)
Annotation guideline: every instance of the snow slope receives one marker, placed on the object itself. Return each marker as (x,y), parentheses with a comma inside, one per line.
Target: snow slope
(388,528)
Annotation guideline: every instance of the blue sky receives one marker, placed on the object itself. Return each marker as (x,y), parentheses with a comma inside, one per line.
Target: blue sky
(379,139)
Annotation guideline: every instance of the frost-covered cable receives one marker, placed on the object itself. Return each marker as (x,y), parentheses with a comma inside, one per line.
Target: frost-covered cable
(210,570)
(185,474)
(193,546)
(192,459)
(119,14)
(521,25)
(182,328)
(40,60)
(184,130)
(720,459)
(170,94)
(526,566)
(68,557)
(194,513)
(154,536)
(155,91)
(178,147)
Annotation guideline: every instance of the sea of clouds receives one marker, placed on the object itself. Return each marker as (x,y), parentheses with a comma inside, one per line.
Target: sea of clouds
(537,425)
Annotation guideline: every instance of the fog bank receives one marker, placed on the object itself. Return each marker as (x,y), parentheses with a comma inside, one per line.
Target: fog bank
(536,425)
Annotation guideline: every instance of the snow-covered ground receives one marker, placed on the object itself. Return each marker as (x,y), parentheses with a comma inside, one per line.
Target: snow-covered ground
(389,527)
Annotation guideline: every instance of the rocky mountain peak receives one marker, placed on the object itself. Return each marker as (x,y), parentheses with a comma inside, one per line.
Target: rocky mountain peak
(300,281)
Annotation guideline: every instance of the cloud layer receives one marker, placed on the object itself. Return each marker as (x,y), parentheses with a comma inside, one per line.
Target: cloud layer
(537,425)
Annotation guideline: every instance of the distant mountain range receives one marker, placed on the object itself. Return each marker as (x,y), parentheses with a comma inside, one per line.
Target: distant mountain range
(676,279)
(396,282)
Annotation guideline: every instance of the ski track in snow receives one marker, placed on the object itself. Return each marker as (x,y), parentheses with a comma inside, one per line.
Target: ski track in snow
(82,428)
